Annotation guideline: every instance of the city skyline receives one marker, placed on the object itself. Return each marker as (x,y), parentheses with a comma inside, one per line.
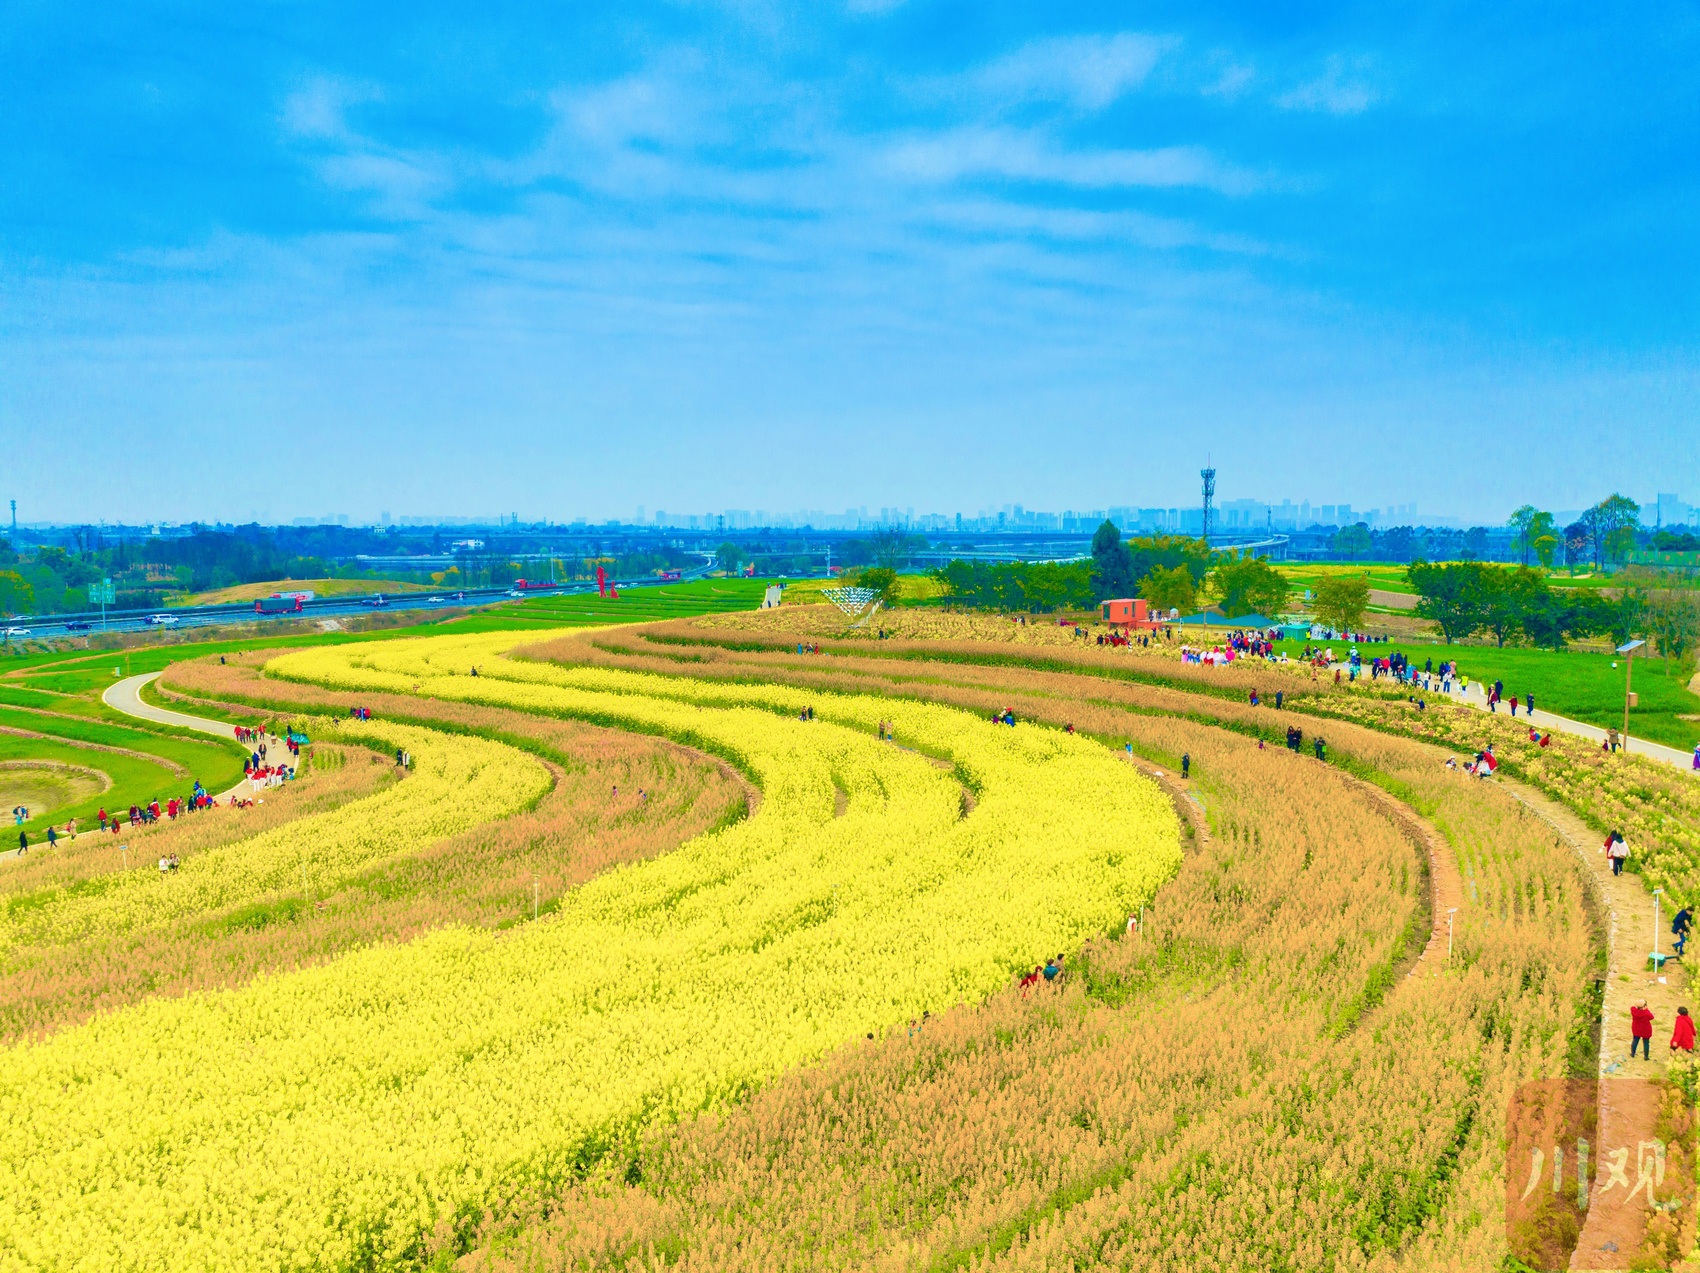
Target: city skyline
(1237,518)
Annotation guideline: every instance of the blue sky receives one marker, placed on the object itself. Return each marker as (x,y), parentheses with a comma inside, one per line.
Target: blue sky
(281,259)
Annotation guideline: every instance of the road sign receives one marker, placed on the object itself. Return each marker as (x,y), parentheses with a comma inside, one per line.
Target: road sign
(103,595)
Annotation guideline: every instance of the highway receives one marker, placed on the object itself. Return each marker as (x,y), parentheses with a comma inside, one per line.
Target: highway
(58,625)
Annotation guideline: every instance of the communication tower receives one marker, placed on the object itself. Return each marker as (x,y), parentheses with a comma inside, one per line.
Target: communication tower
(1209,476)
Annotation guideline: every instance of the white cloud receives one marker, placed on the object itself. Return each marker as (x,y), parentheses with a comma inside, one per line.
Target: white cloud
(1342,89)
(1030,156)
(1089,71)
(1233,81)
(318,108)
(1076,225)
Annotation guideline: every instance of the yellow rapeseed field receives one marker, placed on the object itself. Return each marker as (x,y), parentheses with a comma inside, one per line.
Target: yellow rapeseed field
(336,1116)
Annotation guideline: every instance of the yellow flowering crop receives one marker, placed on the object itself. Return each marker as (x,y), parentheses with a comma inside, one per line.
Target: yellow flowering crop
(333,1116)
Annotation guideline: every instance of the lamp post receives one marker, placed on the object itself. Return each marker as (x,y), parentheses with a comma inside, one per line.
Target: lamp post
(1656,893)
(1627,649)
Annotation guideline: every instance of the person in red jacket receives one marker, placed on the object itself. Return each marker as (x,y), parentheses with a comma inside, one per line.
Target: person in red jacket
(1683,1036)
(1641,1030)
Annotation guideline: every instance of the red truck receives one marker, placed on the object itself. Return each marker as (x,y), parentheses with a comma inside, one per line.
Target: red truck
(532,585)
(278,605)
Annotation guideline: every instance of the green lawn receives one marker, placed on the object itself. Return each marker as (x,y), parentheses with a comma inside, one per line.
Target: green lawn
(1579,684)
(134,781)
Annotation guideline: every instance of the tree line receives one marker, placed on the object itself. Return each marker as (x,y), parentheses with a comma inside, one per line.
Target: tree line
(1169,571)
(1516,603)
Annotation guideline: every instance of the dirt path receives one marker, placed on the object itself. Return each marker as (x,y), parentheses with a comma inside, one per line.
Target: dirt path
(1612,1235)
(1628,910)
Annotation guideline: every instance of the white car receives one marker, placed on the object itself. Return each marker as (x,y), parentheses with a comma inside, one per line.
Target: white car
(17,632)
(434,598)
(163,620)
(515,592)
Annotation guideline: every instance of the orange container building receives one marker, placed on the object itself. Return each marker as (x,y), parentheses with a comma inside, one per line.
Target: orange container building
(1129,612)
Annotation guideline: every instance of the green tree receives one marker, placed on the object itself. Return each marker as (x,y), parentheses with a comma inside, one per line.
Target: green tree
(1535,534)
(1673,621)
(16,594)
(1249,584)
(1341,600)
(1352,542)
(1112,564)
(727,557)
(1520,521)
(1452,595)
(1170,588)
(1552,617)
(1508,597)
(1617,519)
(882,579)
(1015,585)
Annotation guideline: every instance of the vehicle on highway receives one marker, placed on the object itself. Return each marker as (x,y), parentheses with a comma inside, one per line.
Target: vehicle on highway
(77,625)
(162,620)
(433,598)
(17,632)
(460,596)
(515,592)
(375,601)
(283,603)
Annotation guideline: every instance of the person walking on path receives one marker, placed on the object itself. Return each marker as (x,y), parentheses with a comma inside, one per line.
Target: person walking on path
(1611,738)
(1186,764)
(1641,1030)
(1617,851)
(1697,757)
(1683,1035)
(1679,928)
(23,843)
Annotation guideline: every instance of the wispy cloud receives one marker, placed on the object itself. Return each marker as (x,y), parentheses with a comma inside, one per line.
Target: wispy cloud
(1030,155)
(1233,81)
(1087,71)
(1344,88)
(319,107)
(1076,225)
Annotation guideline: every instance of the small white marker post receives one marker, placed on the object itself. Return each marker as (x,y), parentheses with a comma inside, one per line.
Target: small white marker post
(1656,956)
(1451,914)
(125,850)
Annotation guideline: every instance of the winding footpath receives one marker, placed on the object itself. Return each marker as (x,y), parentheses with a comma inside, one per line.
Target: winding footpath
(126,696)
